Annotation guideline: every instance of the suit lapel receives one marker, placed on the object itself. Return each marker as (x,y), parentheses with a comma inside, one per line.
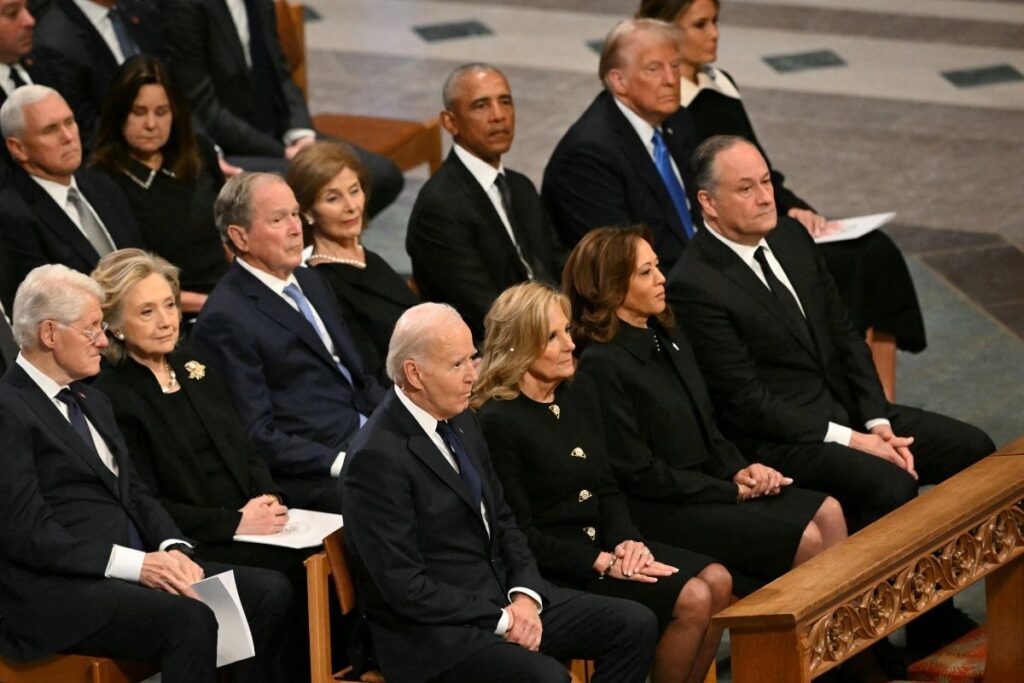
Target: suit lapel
(327,308)
(105,58)
(804,284)
(228,34)
(108,432)
(53,220)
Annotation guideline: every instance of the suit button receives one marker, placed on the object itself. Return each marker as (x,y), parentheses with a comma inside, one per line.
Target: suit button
(585,495)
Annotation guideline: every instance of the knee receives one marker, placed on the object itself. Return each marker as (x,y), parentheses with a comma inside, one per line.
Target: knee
(830,513)
(895,490)
(194,623)
(811,543)
(694,602)
(719,580)
(637,622)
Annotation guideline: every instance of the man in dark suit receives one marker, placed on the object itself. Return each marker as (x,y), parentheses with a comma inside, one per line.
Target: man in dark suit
(299,383)
(626,160)
(448,583)
(87,40)
(51,211)
(478,228)
(90,562)
(228,59)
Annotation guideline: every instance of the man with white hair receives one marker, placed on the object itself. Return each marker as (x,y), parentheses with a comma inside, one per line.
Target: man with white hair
(447,580)
(90,562)
(53,211)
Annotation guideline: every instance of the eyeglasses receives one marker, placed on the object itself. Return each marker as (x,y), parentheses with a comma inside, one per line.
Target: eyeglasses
(92,335)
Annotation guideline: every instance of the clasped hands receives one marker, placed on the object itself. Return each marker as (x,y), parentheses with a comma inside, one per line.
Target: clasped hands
(882,443)
(758,480)
(262,515)
(632,561)
(170,571)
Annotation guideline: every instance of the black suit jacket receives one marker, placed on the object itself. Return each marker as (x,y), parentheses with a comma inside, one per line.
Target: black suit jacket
(431,580)
(209,62)
(771,379)
(84,64)
(202,491)
(461,252)
(61,509)
(293,400)
(37,231)
(601,174)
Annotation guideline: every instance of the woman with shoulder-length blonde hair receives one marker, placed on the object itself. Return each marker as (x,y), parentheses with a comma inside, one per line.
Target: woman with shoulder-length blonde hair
(543,432)
(687,485)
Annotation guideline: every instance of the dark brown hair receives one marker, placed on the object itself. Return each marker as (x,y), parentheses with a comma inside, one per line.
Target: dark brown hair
(596,280)
(666,10)
(318,164)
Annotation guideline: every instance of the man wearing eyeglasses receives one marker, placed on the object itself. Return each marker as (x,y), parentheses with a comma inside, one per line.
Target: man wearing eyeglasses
(90,562)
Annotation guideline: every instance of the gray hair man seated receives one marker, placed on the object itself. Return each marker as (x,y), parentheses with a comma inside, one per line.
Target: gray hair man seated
(449,585)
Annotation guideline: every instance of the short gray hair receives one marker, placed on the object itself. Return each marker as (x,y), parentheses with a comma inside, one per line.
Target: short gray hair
(234,203)
(624,34)
(703,161)
(450,91)
(50,292)
(12,114)
(413,333)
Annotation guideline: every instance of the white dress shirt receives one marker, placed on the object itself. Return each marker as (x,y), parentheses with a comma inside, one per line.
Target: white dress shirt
(429,425)
(124,563)
(7,82)
(59,194)
(99,17)
(708,78)
(836,433)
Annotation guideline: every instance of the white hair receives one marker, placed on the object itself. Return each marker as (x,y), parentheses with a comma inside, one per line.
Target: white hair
(413,333)
(12,114)
(51,292)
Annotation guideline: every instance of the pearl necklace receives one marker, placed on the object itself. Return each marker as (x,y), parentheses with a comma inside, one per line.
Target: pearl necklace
(172,382)
(337,259)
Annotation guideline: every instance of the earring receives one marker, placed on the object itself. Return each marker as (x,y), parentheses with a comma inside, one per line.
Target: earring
(119,336)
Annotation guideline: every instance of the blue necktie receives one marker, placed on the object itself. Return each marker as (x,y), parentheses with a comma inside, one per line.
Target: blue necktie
(672,184)
(296,295)
(467,472)
(124,39)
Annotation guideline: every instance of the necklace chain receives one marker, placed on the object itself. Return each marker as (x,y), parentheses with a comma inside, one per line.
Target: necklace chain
(172,381)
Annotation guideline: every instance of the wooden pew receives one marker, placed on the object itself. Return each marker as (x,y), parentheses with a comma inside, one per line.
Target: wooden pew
(970,527)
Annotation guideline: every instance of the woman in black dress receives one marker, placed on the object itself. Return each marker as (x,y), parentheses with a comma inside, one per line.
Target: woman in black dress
(184,438)
(870,271)
(687,485)
(548,451)
(332,188)
(146,144)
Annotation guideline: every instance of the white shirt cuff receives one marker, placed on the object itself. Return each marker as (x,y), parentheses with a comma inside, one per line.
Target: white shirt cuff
(502,626)
(871,424)
(336,465)
(838,434)
(292,135)
(125,564)
(503,620)
(173,541)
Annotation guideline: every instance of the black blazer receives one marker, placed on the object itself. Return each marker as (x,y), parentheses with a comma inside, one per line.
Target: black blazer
(61,509)
(460,250)
(431,580)
(84,63)
(37,231)
(168,462)
(293,400)
(601,174)
(772,380)
(209,62)
(660,427)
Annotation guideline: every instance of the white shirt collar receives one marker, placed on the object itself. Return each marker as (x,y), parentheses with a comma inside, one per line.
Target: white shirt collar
(42,380)
(484,173)
(275,283)
(57,191)
(642,128)
(425,420)
(95,13)
(708,78)
(6,71)
(745,252)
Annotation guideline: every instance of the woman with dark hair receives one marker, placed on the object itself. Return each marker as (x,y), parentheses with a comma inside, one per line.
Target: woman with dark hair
(548,450)
(332,187)
(687,485)
(145,142)
(870,272)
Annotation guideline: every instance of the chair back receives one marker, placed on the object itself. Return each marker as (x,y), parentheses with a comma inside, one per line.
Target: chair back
(337,557)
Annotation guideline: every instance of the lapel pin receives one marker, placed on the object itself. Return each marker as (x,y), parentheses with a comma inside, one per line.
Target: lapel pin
(555,410)
(578,453)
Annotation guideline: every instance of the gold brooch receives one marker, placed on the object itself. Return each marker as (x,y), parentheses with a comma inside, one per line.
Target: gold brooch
(555,410)
(590,531)
(578,453)
(196,370)
(585,495)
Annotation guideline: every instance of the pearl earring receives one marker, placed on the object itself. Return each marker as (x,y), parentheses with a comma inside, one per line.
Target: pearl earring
(119,336)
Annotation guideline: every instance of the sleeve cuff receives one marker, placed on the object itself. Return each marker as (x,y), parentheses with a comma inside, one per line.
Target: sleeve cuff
(336,465)
(529,593)
(871,424)
(502,626)
(125,564)
(838,434)
(293,134)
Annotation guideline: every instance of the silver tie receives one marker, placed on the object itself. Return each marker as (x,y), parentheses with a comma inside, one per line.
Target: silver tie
(90,225)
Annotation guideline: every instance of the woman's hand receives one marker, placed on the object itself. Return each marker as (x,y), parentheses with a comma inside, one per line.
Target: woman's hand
(758,480)
(633,556)
(816,224)
(262,515)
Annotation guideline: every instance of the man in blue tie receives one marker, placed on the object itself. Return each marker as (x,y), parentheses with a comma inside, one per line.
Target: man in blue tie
(297,379)
(626,160)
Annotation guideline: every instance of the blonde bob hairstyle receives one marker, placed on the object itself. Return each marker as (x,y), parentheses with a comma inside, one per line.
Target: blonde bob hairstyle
(118,272)
(517,329)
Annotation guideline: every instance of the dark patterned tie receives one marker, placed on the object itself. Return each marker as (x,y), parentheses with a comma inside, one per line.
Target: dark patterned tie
(781,291)
(129,48)
(506,201)
(467,472)
(16,77)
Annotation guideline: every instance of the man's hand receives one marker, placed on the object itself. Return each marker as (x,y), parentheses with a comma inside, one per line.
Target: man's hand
(875,445)
(900,443)
(291,150)
(172,572)
(759,480)
(262,515)
(524,628)
(816,224)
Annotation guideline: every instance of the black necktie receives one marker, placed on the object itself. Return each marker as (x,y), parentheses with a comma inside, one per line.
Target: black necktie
(16,77)
(781,291)
(467,472)
(506,201)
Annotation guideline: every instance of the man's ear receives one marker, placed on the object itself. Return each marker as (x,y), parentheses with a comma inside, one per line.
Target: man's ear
(412,374)
(707,204)
(448,122)
(239,237)
(616,82)
(17,150)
